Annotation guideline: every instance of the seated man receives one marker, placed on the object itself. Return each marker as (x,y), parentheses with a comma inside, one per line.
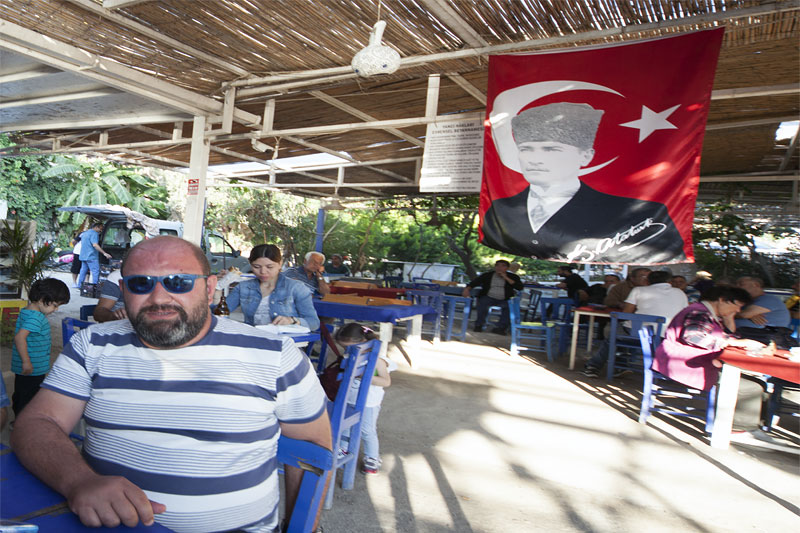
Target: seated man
(680,282)
(110,305)
(496,288)
(572,283)
(336,266)
(310,273)
(766,319)
(659,298)
(183,410)
(619,292)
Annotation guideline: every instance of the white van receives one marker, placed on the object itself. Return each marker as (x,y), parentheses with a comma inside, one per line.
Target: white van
(125,228)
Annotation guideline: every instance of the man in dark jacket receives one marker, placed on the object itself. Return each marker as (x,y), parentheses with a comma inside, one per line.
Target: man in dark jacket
(496,288)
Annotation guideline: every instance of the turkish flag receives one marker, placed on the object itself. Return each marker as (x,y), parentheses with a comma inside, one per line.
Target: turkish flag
(592,155)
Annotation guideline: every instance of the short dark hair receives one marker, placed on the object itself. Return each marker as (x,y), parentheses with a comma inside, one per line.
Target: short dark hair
(726,293)
(659,276)
(502,261)
(679,276)
(613,276)
(98,224)
(270,251)
(49,291)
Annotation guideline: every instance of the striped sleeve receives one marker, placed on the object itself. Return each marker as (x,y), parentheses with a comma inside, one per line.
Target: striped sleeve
(300,397)
(69,375)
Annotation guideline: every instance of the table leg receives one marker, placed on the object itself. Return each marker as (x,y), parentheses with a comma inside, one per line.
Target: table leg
(726,404)
(590,335)
(574,346)
(385,335)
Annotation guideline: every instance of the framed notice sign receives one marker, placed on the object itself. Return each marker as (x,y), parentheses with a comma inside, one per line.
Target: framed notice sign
(453,157)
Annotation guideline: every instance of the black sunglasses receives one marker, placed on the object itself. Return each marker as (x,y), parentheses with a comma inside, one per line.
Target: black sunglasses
(175,283)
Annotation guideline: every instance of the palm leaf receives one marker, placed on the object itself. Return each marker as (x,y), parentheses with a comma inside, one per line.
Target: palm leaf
(62,169)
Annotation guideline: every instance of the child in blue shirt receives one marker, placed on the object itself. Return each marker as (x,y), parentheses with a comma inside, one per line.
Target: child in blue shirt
(30,354)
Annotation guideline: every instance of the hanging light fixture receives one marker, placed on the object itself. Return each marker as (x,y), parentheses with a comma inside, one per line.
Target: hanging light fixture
(376,58)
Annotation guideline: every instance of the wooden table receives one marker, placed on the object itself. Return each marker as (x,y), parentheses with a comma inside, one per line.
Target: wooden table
(735,360)
(378,292)
(577,313)
(385,315)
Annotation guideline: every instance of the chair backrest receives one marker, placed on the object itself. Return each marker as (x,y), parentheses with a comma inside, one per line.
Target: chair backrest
(556,309)
(315,462)
(514,314)
(70,326)
(638,321)
(421,286)
(392,281)
(87,311)
(359,363)
(434,299)
(649,341)
(533,304)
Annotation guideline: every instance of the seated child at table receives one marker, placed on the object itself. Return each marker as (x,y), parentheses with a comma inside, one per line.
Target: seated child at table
(30,354)
(355,333)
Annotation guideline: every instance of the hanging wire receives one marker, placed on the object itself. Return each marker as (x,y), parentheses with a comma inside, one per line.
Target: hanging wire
(379,9)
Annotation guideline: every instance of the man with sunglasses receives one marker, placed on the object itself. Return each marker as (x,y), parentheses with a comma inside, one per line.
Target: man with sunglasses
(183,410)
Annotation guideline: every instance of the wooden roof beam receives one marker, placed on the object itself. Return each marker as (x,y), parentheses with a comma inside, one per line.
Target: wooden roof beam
(335,102)
(455,23)
(468,87)
(790,151)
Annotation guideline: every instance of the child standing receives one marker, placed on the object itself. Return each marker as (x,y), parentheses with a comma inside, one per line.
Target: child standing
(30,355)
(348,335)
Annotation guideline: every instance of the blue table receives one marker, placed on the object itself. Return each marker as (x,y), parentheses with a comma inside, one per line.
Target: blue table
(23,498)
(385,315)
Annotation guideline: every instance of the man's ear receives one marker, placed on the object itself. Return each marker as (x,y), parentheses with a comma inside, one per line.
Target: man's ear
(211,286)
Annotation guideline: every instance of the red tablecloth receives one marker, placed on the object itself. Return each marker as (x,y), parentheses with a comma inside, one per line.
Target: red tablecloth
(773,365)
(375,293)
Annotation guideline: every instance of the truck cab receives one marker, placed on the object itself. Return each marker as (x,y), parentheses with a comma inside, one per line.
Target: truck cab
(124,228)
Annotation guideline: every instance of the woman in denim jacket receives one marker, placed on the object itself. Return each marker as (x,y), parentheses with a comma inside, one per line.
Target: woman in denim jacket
(272,298)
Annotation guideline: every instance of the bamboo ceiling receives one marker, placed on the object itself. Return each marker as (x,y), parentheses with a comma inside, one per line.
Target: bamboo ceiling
(266,48)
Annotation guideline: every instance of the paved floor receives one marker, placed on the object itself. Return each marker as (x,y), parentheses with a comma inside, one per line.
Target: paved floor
(475,440)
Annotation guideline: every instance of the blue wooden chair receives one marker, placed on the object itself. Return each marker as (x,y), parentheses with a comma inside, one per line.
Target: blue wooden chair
(421,286)
(795,325)
(392,281)
(70,326)
(657,385)
(537,336)
(315,462)
(346,417)
(433,299)
(457,307)
(629,343)
(533,306)
(87,311)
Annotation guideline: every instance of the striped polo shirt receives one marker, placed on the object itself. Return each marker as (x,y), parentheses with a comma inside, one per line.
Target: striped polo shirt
(195,427)
(38,342)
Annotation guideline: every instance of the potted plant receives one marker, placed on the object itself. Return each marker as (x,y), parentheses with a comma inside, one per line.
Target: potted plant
(26,264)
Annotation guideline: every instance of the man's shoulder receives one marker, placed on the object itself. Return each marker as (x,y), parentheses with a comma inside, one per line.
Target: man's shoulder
(768,300)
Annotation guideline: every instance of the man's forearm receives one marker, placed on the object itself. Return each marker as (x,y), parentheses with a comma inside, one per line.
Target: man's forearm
(44,449)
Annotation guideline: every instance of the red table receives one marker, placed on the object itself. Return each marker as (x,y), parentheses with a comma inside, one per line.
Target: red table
(735,360)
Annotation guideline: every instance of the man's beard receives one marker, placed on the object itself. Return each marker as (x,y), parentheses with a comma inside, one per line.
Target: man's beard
(169,333)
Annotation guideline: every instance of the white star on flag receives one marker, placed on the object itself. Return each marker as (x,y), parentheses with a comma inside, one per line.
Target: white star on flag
(652,121)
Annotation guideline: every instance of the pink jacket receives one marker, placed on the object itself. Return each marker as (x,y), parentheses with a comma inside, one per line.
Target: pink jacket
(686,355)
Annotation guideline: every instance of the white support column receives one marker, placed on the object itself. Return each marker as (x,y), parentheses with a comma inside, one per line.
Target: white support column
(196,193)
(432,102)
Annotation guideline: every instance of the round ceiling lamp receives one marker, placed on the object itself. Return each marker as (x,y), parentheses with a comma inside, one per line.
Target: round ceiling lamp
(376,58)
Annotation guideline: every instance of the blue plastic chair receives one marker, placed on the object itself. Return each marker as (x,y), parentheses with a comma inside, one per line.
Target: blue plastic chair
(457,307)
(70,326)
(537,336)
(629,343)
(433,299)
(87,311)
(315,462)
(359,363)
(657,385)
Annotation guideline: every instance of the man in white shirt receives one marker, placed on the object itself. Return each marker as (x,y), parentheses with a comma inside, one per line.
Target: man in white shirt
(659,298)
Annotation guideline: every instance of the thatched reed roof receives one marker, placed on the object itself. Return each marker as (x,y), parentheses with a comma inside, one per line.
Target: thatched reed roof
(297,53)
